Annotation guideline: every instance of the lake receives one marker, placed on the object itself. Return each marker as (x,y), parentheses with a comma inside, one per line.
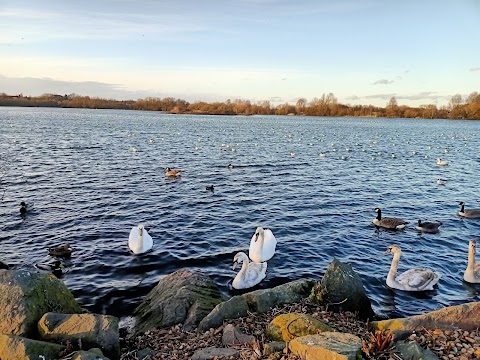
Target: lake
(89,188)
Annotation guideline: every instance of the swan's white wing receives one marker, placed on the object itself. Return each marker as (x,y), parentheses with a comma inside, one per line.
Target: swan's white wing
(133,234)
(256,273)
(418,278)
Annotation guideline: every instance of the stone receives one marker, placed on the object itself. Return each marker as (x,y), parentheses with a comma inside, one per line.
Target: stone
(411,350)
(25,296)
(92,330)
(326,346)
(286,327)
(145,353)
(341,289)
(16,347)
(273,347)
(212,353)
(232,336)
(259,301)
(88,355)
(233,308)
(183,297)
(463,317)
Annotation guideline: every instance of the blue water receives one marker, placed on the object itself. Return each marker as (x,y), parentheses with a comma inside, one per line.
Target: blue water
(89,189)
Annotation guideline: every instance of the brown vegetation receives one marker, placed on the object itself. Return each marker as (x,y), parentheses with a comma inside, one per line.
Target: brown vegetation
(326,105)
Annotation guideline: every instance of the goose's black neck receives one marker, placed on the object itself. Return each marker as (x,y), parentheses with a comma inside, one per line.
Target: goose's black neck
(379,214)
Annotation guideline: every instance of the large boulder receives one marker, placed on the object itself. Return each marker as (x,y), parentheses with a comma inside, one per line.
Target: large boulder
(259,301)
(183,297)
(342,290)
(91,330)
(17,347)
(327,345)
(286,327)
(25,296)
(465,317)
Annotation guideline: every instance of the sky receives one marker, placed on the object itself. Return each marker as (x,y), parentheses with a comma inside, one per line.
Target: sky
(363,51)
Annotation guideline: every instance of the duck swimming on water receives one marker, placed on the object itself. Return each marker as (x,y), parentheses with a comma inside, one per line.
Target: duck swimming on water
(56,268)
(64,250)
(172,172)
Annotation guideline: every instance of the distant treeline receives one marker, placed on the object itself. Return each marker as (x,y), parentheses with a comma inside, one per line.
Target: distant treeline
(326,105)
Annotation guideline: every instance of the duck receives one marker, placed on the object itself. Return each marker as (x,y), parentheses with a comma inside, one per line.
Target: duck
(64,250)
(23,208)
(172,172)
(139,240)
(56,268)
(442,162)
(428,227)
(250,274)
(210,188)
(470,213)
(230,166)
(472,272)
(388,222)
(416,279)
(262,245)
(441,181)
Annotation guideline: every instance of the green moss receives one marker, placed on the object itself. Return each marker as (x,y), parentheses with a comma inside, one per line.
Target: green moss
(318,294)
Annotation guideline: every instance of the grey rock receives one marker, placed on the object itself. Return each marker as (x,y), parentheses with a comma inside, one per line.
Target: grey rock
(342,289)
(411,350)
(92,330)
(212,352)
(232,336)
(273,347)
(233,308)
(259,301)
(144,353)
(16,347)
(183,297)
(25,296)
(88,355)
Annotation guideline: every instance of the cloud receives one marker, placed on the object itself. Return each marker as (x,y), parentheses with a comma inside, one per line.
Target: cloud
(353,97)
(383,82)
(422,96)
(380,96)
(475,69)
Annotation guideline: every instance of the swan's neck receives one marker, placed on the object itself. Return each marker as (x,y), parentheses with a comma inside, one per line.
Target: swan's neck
(379,215)
(244,268)
(471,261)
(261,240)
(140,236)
(393,267)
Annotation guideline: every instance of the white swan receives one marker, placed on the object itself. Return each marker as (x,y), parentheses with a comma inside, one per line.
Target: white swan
(417,279)
(472,272)
(250,274)
(139,241)
(442,162)
(262,245)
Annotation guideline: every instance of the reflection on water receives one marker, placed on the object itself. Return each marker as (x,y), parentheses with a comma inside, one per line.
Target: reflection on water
(90,188)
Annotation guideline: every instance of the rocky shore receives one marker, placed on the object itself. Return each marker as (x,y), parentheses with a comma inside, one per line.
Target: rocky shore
(186,317)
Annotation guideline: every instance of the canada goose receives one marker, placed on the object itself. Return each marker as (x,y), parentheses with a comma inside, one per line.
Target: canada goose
(24,207)
(172,172)
(417,279)
(250,274)
(471,213)
(230,166)
(64,250)
(262,245)
(472,272)
(441,182)
(210,188)
(388,222)
(428,227)
(139,240)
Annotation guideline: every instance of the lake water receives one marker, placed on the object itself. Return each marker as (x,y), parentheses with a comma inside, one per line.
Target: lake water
(89,189)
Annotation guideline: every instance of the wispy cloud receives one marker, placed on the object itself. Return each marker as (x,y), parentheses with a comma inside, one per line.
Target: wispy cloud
(383,82)
(426,95)
(353,97)
(475,69)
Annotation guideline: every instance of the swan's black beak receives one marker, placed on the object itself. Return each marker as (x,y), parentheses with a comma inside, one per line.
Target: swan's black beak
(256,236)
